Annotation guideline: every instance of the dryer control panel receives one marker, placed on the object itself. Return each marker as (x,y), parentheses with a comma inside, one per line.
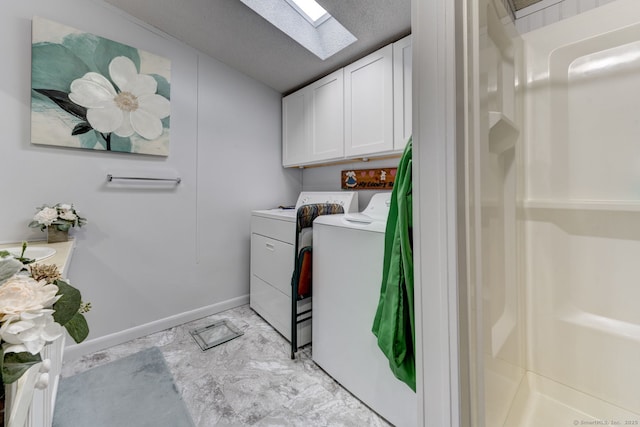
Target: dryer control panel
(348,199)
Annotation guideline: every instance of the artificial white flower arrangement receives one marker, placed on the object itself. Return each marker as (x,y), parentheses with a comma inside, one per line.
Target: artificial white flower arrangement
(35,304)
(61,216)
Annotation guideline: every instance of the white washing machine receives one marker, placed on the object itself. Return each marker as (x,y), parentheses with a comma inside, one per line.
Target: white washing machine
(348,252)
(273,233)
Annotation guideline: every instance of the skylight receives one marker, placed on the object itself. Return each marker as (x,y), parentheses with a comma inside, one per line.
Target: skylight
(307,23)
(310,10)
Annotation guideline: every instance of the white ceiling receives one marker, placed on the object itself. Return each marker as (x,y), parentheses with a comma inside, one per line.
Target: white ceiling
(234,34)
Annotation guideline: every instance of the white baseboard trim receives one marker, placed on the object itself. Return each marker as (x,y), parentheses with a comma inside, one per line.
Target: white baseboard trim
(75,351)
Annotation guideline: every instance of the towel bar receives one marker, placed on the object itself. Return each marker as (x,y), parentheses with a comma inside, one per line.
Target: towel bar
(110,178)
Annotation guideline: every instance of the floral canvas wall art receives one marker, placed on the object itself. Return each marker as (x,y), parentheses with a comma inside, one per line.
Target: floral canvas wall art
(94,93)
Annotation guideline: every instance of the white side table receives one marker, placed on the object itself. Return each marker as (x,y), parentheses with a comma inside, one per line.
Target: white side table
(26,406)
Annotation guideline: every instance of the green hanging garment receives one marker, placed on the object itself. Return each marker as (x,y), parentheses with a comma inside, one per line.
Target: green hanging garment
(394,321)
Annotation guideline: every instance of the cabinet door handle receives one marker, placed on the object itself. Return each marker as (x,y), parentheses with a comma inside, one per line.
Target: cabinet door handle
(270,246)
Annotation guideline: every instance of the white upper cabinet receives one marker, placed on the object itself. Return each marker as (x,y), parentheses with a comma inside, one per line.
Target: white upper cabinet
(402,93)
(368,104)
(325,116)
(312,122)
(295,140)
(362,110)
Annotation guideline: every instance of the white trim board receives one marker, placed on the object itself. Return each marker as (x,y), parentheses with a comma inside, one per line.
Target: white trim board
(76,351)
(435,80)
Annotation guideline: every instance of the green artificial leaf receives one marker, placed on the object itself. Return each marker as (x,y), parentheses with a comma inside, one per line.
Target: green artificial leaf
(68,304)
(62,100)
(9,267)
(23,259)
(78,328)
(26,261)
(35,224)
(16,364)
(4,254)
(80,128)
(63,226)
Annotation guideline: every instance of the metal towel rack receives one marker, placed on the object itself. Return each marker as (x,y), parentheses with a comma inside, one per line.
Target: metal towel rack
(110,178)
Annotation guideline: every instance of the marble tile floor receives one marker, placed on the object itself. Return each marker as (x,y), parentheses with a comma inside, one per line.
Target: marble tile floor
(248,381)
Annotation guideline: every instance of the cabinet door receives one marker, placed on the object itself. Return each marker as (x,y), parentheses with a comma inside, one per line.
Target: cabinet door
(401,93)
(295,136)
(369,104)
(325,116)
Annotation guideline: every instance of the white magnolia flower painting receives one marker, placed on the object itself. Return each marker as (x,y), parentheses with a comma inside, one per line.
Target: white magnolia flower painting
(94,93)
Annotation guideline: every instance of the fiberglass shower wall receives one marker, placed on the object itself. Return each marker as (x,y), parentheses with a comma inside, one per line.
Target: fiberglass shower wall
(582,210)
(494,232)
(554,218)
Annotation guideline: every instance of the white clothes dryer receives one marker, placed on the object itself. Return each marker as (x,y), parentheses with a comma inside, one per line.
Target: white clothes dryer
(273,234)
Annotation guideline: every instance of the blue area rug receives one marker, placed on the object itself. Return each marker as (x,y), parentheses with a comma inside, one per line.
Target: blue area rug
(136,391)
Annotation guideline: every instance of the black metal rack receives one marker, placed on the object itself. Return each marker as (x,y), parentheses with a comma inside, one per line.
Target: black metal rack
(301,279)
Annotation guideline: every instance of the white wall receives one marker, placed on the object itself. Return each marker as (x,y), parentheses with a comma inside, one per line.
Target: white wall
(151,256)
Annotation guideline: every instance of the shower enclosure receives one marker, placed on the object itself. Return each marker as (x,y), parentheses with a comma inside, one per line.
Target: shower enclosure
(553,218)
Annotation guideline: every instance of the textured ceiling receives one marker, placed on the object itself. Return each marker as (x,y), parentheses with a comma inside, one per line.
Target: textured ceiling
(234,34)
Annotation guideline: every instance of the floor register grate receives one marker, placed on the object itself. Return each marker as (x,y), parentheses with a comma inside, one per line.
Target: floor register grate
(215,334)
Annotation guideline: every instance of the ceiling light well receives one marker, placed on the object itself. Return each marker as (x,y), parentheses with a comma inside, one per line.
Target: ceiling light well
(323,36)
(310,10)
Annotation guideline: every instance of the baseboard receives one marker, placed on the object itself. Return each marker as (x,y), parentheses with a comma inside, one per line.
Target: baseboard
(75,351)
